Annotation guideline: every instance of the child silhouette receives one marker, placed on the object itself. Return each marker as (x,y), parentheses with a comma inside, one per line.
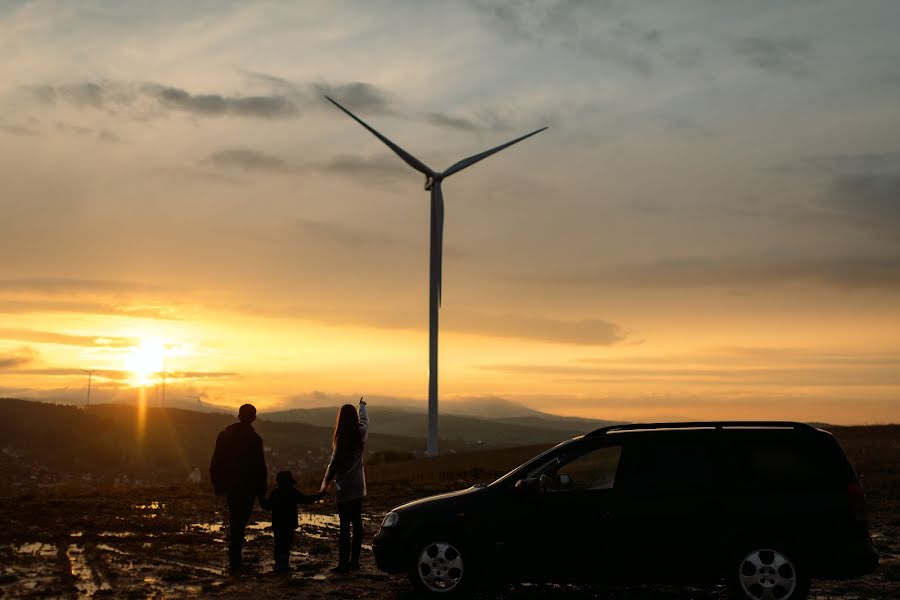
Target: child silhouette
(283,503)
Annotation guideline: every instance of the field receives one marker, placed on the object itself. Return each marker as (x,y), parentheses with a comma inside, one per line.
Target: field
(78,539)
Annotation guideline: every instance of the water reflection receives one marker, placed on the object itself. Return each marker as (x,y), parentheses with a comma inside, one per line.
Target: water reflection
(37,548)
(87,581)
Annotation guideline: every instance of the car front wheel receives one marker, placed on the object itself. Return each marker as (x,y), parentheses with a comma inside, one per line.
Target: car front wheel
(766,573)
(440,567)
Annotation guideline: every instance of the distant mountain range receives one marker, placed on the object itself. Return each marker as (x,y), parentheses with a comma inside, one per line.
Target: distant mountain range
(488,421)
(502,423)
(41,440)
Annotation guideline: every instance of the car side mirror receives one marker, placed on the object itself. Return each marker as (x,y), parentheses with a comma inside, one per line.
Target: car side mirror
(527,485)
(545,483)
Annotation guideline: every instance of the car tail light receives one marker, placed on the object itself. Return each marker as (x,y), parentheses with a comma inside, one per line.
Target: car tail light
(858,506)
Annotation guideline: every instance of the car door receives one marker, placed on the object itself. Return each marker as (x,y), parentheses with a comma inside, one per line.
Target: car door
(670,509)
(557,523)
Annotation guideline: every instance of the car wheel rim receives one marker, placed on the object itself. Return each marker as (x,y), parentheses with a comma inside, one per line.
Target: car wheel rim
(767,575)
(440,567)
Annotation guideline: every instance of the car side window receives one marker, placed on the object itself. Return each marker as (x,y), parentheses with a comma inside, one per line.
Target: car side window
(593,470)
(677,467)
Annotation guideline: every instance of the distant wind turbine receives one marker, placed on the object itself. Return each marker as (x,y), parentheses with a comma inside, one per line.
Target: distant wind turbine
(433,181)
(198,397)
(90,374)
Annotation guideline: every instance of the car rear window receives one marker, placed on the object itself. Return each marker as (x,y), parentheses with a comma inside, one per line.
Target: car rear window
(779,464)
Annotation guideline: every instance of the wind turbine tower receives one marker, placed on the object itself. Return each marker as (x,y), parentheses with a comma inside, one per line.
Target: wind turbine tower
(90,374)
(433,181)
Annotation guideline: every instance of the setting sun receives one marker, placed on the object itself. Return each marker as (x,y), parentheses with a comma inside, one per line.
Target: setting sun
(145,360)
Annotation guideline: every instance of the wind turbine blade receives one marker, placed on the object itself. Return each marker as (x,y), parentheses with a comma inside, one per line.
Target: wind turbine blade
(408,158)
(468,162)
(437,237)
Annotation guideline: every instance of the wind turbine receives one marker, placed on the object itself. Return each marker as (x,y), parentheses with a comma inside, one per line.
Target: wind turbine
(90,374)
(433,181)
(198,397)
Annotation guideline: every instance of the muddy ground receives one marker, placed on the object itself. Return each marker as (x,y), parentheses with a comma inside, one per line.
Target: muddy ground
(169,542)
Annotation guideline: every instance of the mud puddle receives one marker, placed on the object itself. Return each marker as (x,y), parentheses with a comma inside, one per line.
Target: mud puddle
(118,550)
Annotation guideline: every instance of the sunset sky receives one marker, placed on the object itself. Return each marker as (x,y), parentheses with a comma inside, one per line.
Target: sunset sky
(710,228)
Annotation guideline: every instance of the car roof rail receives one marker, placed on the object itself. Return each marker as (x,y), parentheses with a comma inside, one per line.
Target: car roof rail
(702,425)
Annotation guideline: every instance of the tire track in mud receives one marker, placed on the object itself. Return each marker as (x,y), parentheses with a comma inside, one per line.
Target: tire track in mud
(180,552)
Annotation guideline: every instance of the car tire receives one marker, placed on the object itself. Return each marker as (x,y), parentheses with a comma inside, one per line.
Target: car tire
(442,567)
(767,572)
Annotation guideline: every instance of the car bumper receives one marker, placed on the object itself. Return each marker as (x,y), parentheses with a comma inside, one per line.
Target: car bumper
(391,550)
(852,560)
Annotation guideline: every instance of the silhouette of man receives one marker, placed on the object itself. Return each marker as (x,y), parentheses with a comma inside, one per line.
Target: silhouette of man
(238,470)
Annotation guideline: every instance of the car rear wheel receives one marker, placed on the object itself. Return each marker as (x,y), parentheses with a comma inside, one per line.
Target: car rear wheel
(766,573)
(440,567)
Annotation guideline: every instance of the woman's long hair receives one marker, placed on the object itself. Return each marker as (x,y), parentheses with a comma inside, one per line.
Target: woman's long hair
(346,430)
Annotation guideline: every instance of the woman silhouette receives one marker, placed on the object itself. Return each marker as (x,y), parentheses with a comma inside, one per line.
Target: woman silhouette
(346,470)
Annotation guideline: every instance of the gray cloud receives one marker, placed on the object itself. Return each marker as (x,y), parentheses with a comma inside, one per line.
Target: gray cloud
(14,361)
(590,28)
(74,129)
(585,332)
(99,95)
(846,273)
(377,169)
(113,96)
(357,95)
(346,237)
(786,56)
(108,136)
(449,122)
(588,332)
(861,189)
(872,199)
(751,356)
(381,167)
(119,374)
(216,105)
(17,129)
(97,308)
(110,374)
(204,375)
(49,337)
(85,94)
(489,119)
(270,81)
(91,296)
(844,164)
(285,100)
(249,159)
(731,375)
(68,285)
(343,237)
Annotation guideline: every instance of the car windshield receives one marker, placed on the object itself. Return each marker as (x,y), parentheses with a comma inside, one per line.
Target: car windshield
(541,458)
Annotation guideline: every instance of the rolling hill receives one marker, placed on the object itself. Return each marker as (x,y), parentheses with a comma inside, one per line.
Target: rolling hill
(534,428)
(113,442)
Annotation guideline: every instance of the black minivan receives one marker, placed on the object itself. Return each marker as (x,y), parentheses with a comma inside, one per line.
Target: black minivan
(766,505)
